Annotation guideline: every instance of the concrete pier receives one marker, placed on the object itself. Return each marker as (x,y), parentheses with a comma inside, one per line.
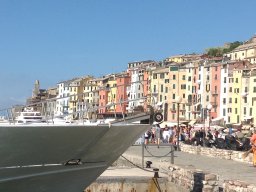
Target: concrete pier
(190,172)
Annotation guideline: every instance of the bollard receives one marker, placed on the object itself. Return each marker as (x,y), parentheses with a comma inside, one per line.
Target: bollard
(148,164)
(156,173)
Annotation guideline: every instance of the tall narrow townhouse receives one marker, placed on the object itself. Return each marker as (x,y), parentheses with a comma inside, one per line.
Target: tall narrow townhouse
(177,77)
(224,92)
(236,96)
(136,70)
(195,99)
(103,95)
(76,97)
(92,92)
(63,97)
(246,107)
(160,87)
(201,93)
(123,80)
(112,94)
(215,89)
(251,96)
(236,102)
(189,92)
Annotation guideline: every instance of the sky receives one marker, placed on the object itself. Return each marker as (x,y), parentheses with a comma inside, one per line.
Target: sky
(57,40)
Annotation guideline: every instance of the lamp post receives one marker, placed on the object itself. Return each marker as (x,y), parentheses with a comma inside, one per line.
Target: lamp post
(209,107)
(178,100)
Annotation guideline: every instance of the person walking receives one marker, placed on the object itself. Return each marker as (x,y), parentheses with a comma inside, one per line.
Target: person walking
(253,143)
(158,134)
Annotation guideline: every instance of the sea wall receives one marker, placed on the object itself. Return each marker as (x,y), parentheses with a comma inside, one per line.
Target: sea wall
(217,153)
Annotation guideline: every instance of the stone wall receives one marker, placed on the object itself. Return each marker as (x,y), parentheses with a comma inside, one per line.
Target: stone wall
(216,153)
(193,179)
(240,186)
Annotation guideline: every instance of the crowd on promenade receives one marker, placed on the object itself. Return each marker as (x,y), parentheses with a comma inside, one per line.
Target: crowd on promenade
(218,138)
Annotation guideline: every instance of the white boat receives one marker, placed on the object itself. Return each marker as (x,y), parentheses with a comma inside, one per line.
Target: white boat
(60,158)
(30,116)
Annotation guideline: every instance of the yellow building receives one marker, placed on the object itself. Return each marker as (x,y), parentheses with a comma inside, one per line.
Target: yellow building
(183,58)
(76,97)
(175,59)
(160,87)
(250,95)
(235,97)
(112,93)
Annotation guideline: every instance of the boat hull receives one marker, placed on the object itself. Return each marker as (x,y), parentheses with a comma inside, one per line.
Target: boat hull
(34,158)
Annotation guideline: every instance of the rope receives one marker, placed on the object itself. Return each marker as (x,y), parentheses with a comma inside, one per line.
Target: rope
(157,184)
(136,165)
(157,155)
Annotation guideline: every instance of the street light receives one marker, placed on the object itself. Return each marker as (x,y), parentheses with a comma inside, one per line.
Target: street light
(209,107)
(178,100)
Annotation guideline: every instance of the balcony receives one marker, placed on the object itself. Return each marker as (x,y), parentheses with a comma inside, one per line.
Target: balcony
(214,93)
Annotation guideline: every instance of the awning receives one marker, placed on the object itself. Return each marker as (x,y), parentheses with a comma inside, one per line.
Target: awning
(217,119)
(248,117)
(169,124)
(192,122)
(159,103)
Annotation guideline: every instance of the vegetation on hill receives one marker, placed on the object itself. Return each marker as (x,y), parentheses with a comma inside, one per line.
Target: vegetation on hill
(219,51)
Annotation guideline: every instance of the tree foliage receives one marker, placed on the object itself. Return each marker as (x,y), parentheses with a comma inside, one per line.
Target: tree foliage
(219,51)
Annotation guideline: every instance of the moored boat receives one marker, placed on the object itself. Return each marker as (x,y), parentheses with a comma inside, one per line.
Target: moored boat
(51,157)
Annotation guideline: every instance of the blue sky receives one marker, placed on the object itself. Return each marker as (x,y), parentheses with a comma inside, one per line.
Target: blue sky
(55,40)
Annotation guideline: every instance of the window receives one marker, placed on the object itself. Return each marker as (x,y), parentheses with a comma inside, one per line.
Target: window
(224,112)
(230,100)
(166,89)
(183,77)
(173,96)
(235,100)
(224,100)
(183,86)
(225,90)
(174,86)
(174,77)
(225,80)
(166,80)
(216,77)
(154,76)
(162,88)
(162,76)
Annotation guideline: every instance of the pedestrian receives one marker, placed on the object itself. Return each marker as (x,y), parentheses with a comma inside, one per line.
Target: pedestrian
(158,134)
(253,143)
(147,136)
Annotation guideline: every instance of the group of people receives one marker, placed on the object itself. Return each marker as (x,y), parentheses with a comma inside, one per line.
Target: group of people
(189,134)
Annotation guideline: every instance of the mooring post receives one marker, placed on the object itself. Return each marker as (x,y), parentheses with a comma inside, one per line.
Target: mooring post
(142,155)
(172,154)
